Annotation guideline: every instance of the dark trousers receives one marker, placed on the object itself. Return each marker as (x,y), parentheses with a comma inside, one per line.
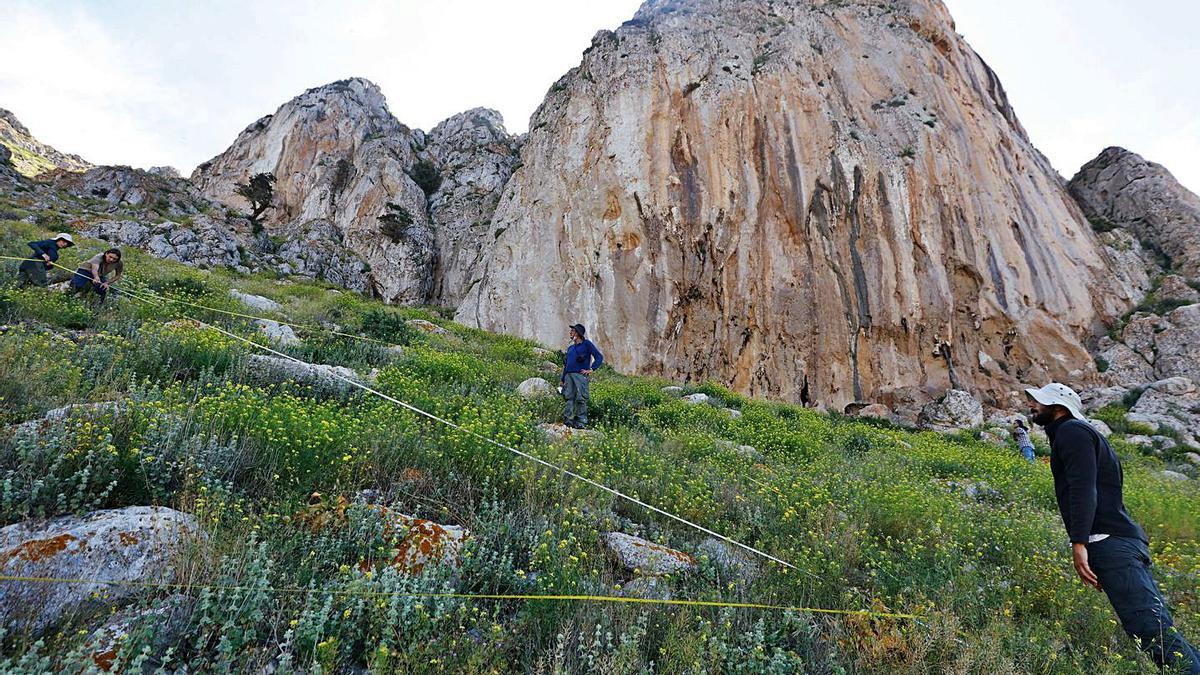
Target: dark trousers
(32,273)
(81,282)
(575,391)
(1122,565)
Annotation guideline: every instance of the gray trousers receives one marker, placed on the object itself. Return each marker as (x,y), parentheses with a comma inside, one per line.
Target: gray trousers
(575,391)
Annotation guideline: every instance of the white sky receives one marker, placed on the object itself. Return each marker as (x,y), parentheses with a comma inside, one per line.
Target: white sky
(174,81)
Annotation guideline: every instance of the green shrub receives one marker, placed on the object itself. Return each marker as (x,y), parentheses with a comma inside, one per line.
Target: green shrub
(390,327)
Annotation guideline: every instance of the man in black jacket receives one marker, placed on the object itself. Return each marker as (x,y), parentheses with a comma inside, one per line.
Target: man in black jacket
(1110,550)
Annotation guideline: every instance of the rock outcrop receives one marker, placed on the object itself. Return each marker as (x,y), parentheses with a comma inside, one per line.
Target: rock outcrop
(138,544)
(30,156)
(475,157)
(1121,189)
(341,161)
(823,202)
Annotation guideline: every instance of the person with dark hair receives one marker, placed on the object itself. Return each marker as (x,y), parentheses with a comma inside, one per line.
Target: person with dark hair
(93,274)
(1111,551)
(582,358)
(32,272)
(1021,432)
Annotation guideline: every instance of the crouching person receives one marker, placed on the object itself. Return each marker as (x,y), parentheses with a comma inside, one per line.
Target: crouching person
(93,275)
(582,359)
(32,272)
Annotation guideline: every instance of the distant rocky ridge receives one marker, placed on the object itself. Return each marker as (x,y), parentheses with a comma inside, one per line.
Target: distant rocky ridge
(30,156)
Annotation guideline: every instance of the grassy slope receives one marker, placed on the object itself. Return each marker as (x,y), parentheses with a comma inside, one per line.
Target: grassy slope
(870,514)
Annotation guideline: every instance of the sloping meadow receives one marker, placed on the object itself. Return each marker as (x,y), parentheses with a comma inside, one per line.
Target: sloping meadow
(959,531)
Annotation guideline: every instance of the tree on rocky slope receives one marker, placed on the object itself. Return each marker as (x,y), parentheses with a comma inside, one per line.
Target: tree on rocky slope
(395,222)
(259,191)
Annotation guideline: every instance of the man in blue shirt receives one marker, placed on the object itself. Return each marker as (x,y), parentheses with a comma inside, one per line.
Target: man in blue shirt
(582,359)
(33,271)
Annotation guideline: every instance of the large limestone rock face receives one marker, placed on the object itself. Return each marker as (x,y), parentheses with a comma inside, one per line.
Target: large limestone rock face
(475,157)
(29,156)
(803,199)
(1121,188)
(339,158)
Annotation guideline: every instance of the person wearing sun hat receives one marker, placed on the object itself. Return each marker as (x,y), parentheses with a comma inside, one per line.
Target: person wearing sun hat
(32,272)
(1111,551)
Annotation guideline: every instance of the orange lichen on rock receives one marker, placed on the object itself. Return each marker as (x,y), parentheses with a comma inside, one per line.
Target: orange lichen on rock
(127,539)
(39,549)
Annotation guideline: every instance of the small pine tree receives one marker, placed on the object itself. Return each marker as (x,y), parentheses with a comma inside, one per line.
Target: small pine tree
(394,223)
(260,192)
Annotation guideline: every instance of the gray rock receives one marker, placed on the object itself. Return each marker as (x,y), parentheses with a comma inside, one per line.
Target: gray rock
(697,398)
(534,387)
(1174,386)
(956,410)
(428,326)
(732,560)
(136,544)
(322,378)
(548,367)
(733,414)
(673,391)
(475,157)
(1100,426)
(1173,475)
(1094,399)
(166,621)
(1121,188)
(877,410)
(59,415)
(1164,442)
(1175,288)
(561,432)
(256,301)
(651,588)
(748,451)
(1126,368)
(1149,420)
(280,335)
(1138,439)
(642,557)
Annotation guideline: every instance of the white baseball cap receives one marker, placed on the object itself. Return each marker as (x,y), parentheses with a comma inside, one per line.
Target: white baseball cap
(1059,394)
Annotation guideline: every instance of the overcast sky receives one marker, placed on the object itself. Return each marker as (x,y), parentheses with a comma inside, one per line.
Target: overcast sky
(173,81)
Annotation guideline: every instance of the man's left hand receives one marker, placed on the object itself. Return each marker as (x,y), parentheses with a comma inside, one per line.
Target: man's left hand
(586,372)
(1086,575)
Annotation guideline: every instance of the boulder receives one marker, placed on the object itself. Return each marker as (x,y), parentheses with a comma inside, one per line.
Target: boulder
(1138,439)
(168,619)
(673,391)
(59,415)
(428,326)
(548,367)
(203,242)
(650,588)
(1175,288)
(1173,475)
(280,335)
(322,378)
(878,410)
(956,410)
(646,558)
(1164,442)
(1174,386)
(748,451)
(256,301)
(733,413)
(1094,399)
(1100,426)
(1126,368)
(562,432)
(730,559)
(1192,457)
(1151,421)
(534,387)
(133,545)
(697,398)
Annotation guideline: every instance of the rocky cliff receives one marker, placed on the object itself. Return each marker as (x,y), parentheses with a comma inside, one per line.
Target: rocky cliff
(820,201)
(1120,189)
(30,156)
(475,157)
(341,161)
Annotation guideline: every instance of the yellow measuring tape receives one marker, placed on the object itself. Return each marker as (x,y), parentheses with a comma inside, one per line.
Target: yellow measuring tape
(582,598)
(470,596)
